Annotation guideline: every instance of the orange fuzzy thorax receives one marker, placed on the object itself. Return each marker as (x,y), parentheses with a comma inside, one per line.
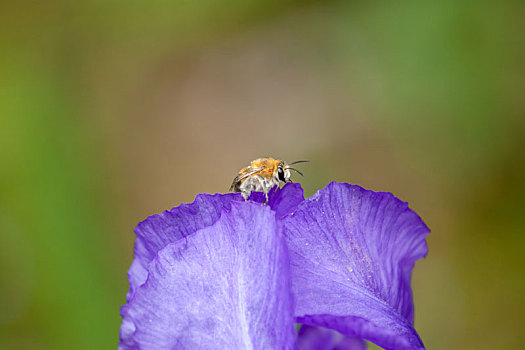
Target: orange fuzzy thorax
(269,166)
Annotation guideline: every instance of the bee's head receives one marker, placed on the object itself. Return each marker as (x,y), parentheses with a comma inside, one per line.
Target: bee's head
(283,170)
(283,174)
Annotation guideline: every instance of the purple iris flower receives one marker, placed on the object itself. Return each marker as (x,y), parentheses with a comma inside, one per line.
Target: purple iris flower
(224,273)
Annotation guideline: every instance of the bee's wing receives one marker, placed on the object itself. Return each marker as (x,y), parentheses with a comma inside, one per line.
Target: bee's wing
(239,178)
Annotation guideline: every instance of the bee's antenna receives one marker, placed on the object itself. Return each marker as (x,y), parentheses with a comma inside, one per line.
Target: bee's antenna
(299,161)
(300,173)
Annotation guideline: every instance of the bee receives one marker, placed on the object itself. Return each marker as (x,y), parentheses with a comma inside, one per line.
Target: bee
(262,175)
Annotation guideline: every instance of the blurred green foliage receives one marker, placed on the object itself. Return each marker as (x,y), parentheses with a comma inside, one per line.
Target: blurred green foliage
(113,110)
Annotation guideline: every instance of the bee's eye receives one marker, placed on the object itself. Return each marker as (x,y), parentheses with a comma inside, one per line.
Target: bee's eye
(280,174)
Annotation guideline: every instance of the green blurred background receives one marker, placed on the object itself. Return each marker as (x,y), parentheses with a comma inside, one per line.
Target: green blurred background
(114,110)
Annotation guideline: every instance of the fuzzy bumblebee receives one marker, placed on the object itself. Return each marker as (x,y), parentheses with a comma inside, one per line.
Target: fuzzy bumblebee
(262,175)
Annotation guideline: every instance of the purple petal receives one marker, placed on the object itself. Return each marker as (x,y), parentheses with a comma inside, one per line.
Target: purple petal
(318,338)
(224,287)
(281,200)
(351,343)
(351,253)
(286,199)
(159,230)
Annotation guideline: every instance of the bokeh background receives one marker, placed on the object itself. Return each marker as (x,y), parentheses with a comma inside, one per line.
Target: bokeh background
(114,110)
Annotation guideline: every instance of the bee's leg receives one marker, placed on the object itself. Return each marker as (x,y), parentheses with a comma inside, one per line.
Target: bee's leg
(263,187)
(252,188)
(261,180)
(246,188)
